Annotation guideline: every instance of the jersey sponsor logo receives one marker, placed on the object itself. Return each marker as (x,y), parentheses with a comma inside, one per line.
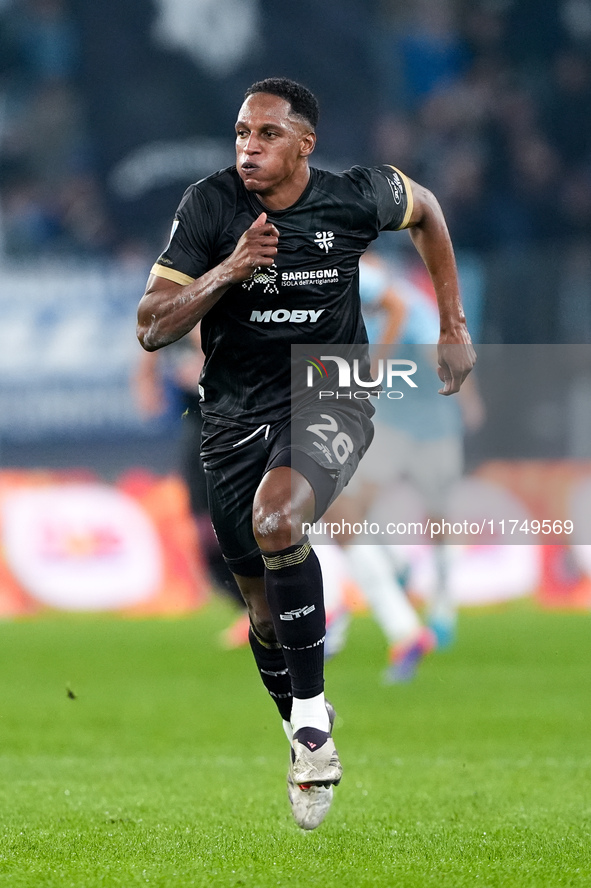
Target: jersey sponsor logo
(324,240)
(265,277)
(280,315)
(316,276)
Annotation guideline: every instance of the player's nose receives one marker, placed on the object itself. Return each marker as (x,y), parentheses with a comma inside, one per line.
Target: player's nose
(252,145)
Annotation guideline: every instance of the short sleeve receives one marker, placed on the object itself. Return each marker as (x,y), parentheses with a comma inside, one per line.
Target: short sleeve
(394,197)
(187,255)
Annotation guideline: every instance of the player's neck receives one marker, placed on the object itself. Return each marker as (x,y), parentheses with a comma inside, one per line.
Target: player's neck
(287,193)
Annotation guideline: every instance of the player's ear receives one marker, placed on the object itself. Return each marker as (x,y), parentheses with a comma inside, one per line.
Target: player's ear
(307,144)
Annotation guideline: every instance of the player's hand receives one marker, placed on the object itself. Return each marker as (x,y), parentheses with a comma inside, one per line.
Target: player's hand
(257,247)
(456,357)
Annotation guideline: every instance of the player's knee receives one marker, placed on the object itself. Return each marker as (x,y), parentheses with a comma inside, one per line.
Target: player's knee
(272,526)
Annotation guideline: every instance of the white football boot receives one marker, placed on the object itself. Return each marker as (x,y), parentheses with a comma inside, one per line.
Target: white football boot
(310,801)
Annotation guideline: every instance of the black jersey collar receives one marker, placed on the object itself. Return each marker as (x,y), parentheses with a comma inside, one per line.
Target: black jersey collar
(260,207)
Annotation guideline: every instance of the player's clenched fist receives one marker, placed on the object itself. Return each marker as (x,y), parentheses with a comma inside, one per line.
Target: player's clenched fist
(256,247)
(455,361)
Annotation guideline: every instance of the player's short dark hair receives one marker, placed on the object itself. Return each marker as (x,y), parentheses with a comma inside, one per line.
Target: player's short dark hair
(302,101)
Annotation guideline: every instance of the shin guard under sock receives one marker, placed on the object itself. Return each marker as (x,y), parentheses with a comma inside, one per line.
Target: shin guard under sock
(293,585)
(273,671)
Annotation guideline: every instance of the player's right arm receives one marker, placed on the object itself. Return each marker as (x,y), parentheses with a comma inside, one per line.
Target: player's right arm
(168,310)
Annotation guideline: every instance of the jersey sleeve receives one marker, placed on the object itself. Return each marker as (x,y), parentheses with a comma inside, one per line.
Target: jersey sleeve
(394,197)
(187,255)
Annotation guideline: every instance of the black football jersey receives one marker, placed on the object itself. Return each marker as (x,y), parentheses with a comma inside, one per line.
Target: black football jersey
(309,295)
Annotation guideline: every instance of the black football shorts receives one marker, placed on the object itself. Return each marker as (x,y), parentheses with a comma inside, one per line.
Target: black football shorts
(323,443)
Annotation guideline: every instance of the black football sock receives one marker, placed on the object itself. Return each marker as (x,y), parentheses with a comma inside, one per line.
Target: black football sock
(293,585)
(273,671)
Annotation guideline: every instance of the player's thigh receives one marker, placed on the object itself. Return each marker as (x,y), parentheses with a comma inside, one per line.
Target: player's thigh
(333,438)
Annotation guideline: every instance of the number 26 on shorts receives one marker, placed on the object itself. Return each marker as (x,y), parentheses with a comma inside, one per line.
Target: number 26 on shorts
(342,445)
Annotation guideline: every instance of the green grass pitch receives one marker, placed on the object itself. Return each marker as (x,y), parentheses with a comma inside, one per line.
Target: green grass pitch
(164,765)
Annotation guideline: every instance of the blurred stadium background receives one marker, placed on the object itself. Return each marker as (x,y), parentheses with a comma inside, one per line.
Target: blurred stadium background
(108,110)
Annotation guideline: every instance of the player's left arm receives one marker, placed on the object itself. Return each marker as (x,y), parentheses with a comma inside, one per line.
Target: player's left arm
(429,234)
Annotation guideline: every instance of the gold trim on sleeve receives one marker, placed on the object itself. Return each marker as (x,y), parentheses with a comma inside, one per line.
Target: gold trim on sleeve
(409,198)
(171,274)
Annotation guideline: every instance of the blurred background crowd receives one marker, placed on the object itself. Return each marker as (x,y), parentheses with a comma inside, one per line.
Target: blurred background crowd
(108,110)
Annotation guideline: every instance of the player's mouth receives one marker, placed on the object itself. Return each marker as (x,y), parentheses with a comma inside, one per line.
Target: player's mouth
(249,168)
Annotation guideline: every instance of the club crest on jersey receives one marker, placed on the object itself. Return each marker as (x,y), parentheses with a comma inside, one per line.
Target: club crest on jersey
(266,277)
(324,240)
